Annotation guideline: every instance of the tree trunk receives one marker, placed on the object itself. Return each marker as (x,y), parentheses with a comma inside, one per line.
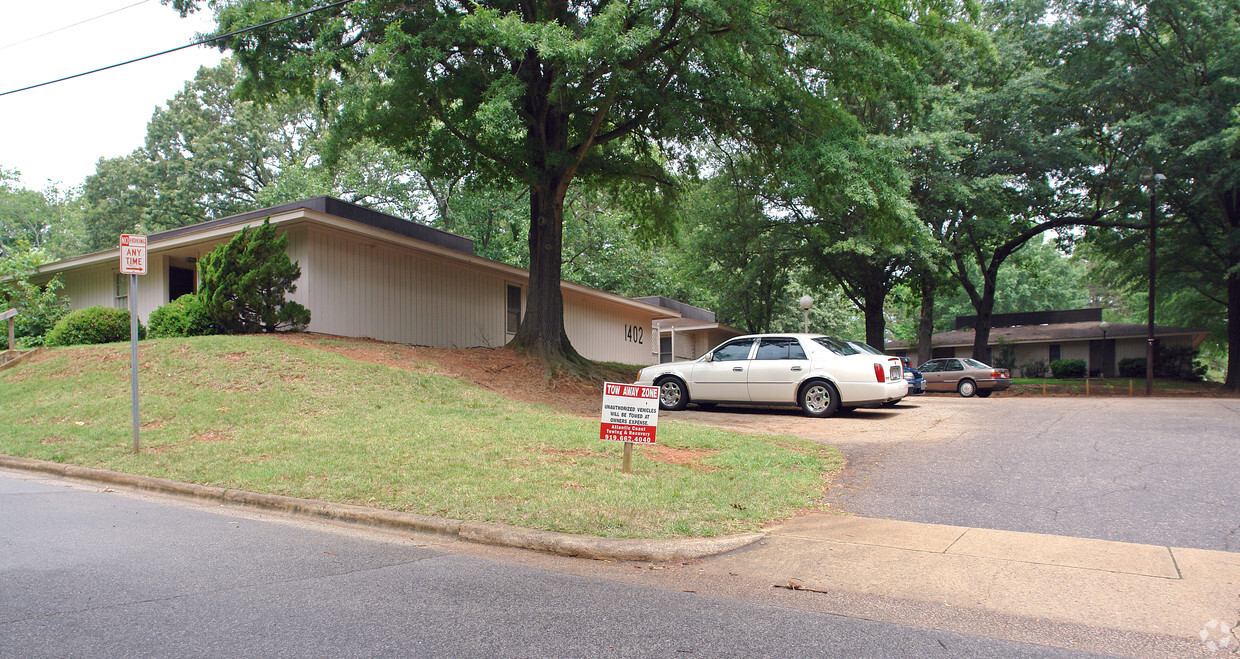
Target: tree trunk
(925,323)
(1231,213)
(541,332)
(875,321)
(985,309)
(1233,333)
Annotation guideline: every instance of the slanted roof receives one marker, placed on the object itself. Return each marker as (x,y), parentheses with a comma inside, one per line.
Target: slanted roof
(1059,332)
(358,219)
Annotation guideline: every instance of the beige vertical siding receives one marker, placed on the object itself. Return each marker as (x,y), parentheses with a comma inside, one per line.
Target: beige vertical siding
(360,287)
(605,333)
(90,287)
(96,287)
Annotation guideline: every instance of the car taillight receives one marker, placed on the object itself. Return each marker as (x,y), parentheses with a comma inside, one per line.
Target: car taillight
(878,373)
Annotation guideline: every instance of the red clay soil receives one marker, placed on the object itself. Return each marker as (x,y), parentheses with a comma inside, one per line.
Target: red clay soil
(501,370)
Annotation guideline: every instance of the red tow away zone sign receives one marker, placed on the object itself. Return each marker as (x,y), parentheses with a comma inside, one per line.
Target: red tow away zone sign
(630,413)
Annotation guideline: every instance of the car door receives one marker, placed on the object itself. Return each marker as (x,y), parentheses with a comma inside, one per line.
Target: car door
(934,374)
(776,369)
(949,374)
(724,376)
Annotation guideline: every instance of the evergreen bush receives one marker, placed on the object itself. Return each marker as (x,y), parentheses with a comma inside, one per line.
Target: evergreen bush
(1034,369)
(92,325)
(243,282)
(1131,367)
(184,316)
(1063,369)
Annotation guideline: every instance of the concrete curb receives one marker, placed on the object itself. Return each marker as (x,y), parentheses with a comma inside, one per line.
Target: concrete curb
(501,535)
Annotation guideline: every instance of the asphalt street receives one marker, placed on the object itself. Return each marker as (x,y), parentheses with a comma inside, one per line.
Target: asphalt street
(86,571)
(1159,471)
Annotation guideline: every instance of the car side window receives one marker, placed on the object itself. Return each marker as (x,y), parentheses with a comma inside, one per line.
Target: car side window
(928,367)
(780,348)
(954,365)
(731,352)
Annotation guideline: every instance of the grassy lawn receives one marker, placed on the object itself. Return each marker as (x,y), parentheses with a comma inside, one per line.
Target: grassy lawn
(1112,387)
(257,414)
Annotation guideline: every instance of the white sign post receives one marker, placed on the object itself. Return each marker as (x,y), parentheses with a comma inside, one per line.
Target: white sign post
(133,263)
(630,415)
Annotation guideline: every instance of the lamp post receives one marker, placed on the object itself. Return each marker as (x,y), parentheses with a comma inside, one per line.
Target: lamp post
(1104,326)
(1153,180)
(806,302)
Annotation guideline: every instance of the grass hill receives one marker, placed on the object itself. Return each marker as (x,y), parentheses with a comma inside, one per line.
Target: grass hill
(303,416)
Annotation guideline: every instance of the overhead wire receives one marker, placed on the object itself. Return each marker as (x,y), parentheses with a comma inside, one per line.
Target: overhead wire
(200,42)
(81,22)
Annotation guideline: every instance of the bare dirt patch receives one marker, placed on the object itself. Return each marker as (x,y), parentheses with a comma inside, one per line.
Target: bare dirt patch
(211,436)
(501,370)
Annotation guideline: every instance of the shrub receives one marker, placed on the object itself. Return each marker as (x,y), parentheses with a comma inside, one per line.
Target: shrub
(184,316)
(92,325)
(1068,368)
(38,307)
(1131,367)
(1005,357)
(1034,369)
(243,283)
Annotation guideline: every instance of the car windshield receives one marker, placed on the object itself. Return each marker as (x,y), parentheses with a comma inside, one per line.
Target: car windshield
(865,347)
(973,363)
(837,346)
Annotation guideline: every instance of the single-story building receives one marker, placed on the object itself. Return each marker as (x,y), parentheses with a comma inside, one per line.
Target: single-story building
(1046,336)
(369,274)
(691,334)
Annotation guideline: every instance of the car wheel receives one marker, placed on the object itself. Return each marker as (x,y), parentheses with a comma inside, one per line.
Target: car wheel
(967,388)
(819,399)
(984,393)
(672,394)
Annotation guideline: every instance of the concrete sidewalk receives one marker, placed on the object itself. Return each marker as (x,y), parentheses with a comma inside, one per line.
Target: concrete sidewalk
(1095,583)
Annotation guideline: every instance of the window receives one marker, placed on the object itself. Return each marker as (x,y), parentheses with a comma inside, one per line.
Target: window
(954,365)
(731,352)
(665,349)
(1054,351)
(836,346)
(121,301)
(780,348)
(514,309)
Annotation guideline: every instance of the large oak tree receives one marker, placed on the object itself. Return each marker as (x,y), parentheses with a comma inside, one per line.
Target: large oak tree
(543,93)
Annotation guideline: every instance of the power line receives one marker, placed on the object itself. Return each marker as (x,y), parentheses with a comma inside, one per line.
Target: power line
(173,50)
(61,29)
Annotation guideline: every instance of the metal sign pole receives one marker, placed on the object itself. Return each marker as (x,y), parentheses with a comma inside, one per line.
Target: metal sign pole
(133,352)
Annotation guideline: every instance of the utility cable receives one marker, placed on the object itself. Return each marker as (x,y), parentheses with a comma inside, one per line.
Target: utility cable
(173,50)
(61,29)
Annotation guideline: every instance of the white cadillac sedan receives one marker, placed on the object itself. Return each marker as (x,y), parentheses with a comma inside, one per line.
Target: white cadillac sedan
(819,373)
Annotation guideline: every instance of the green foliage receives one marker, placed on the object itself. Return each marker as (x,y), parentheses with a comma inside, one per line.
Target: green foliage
(543,96)
(243,283)
(1005,356)
(1067,368)
(1034,369)
(184,316)
(93,325)
(38,306)
(209,154)
(1131,367)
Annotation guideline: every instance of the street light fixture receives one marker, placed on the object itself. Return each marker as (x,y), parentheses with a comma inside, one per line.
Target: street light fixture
(1152,179)
(806,302)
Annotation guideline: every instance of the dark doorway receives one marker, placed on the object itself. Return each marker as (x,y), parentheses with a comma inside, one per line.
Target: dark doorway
(180,282)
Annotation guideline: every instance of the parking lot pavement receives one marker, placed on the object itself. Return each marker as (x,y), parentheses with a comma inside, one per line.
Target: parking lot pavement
(1158,471)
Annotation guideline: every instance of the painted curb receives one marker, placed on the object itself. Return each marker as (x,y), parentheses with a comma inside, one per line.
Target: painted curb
(501,535)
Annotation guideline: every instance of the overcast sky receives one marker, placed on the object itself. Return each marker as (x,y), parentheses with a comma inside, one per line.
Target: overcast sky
(59,132)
